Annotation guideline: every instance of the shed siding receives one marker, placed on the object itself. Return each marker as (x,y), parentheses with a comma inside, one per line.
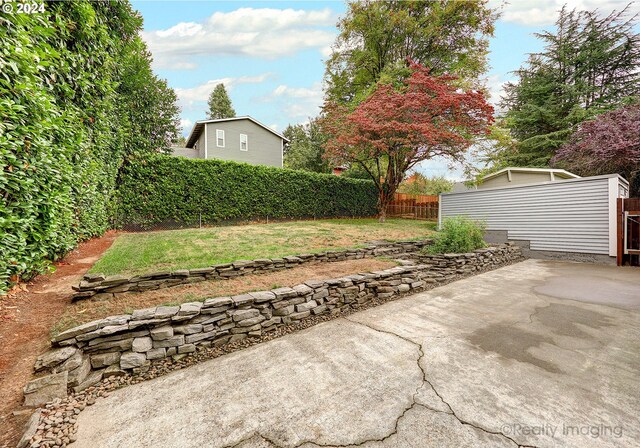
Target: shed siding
(564,216)
(265,148)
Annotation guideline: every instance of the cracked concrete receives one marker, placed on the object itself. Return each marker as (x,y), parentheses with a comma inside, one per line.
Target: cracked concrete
(522,356)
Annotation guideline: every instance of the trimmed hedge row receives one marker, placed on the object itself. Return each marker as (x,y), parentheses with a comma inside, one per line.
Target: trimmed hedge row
(160,189)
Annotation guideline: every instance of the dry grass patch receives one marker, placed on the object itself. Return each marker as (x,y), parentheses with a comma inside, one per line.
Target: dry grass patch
(86,311)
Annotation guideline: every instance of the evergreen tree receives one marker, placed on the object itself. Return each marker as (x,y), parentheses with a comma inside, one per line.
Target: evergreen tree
(305,148)
(220,104)
(589,66)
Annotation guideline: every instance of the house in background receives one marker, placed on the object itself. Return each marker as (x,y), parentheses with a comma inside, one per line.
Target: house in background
(241,139)
(511,176)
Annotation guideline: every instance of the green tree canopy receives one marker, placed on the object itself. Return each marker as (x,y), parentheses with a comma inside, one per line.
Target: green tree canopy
(376,39)
(589,66)
(305,149)
(418,183)
(220,104)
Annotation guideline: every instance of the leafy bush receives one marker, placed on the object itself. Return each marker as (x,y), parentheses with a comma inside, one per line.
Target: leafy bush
(459,234)
(158,189)
(69,78)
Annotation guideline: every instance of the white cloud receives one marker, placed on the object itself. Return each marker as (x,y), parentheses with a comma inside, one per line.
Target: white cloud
(495,86)
(194,97)
(263,32)
(298,102)
(545,12)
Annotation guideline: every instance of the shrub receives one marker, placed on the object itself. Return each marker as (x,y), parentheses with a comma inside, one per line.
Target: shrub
(459,234)
(161,189)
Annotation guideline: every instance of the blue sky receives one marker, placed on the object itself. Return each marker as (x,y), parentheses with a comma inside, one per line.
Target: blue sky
(270,54)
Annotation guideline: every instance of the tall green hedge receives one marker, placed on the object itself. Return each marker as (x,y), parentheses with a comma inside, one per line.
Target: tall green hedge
(71,82)
(160,189)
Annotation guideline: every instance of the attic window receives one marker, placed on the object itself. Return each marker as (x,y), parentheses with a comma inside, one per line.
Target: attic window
(220,138)
(244,142)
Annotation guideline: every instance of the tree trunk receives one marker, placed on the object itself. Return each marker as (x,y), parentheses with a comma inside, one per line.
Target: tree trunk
(383,214)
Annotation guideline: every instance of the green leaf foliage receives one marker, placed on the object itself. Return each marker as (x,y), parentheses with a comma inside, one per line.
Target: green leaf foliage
(159,189)
(65,126)
(458,234)
(305,150)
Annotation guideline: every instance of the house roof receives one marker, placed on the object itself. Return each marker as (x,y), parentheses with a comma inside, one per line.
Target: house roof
(557,172)
(199,126)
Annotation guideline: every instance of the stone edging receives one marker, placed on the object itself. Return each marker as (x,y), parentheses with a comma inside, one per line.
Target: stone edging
(47,428)
(101,287)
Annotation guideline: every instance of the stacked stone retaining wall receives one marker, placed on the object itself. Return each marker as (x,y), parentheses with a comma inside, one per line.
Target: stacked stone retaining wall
(101,287)
(83,355)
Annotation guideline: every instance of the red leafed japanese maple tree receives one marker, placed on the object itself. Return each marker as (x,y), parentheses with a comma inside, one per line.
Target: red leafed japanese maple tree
(610,143)
(397,127)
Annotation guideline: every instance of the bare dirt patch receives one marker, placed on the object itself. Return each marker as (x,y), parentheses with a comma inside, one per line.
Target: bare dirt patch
(26,318)
(86,311)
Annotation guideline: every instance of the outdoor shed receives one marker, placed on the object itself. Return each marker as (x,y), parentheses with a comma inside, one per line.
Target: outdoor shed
(572,218)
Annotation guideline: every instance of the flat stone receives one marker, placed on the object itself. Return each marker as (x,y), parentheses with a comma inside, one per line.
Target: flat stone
(243,299)
(45,389)
(307,306)
(93,278)
(187,329)
(113,370)
(54,357)
(187,348)
(92,379)
(118,337)
(78,375)
(245,314)
(161,333)
(303,289)
(252,321)
(130,360)
(157,353)
(104,359)
(75,331)
(147,313)
(173,341)
(117,345)
(70,364)
(284,293)
(113,280)
(163,312)
(242,264)
(192,338)
(142,344)
(121,319)
(216,302)
(104,331)
(180,273)
(189,309)
(262,296)
(315,284)
(201,271)
(30,429)
(142,323)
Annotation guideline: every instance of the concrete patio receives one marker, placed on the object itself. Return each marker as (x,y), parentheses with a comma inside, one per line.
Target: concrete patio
(535,354)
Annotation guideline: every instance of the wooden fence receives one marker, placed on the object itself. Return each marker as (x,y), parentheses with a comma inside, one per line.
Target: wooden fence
(414,206)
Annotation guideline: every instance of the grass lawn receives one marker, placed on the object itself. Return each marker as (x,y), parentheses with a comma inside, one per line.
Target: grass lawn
(138,253)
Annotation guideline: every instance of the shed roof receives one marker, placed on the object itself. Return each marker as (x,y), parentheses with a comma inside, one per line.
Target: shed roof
(199,126)
(556,172)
